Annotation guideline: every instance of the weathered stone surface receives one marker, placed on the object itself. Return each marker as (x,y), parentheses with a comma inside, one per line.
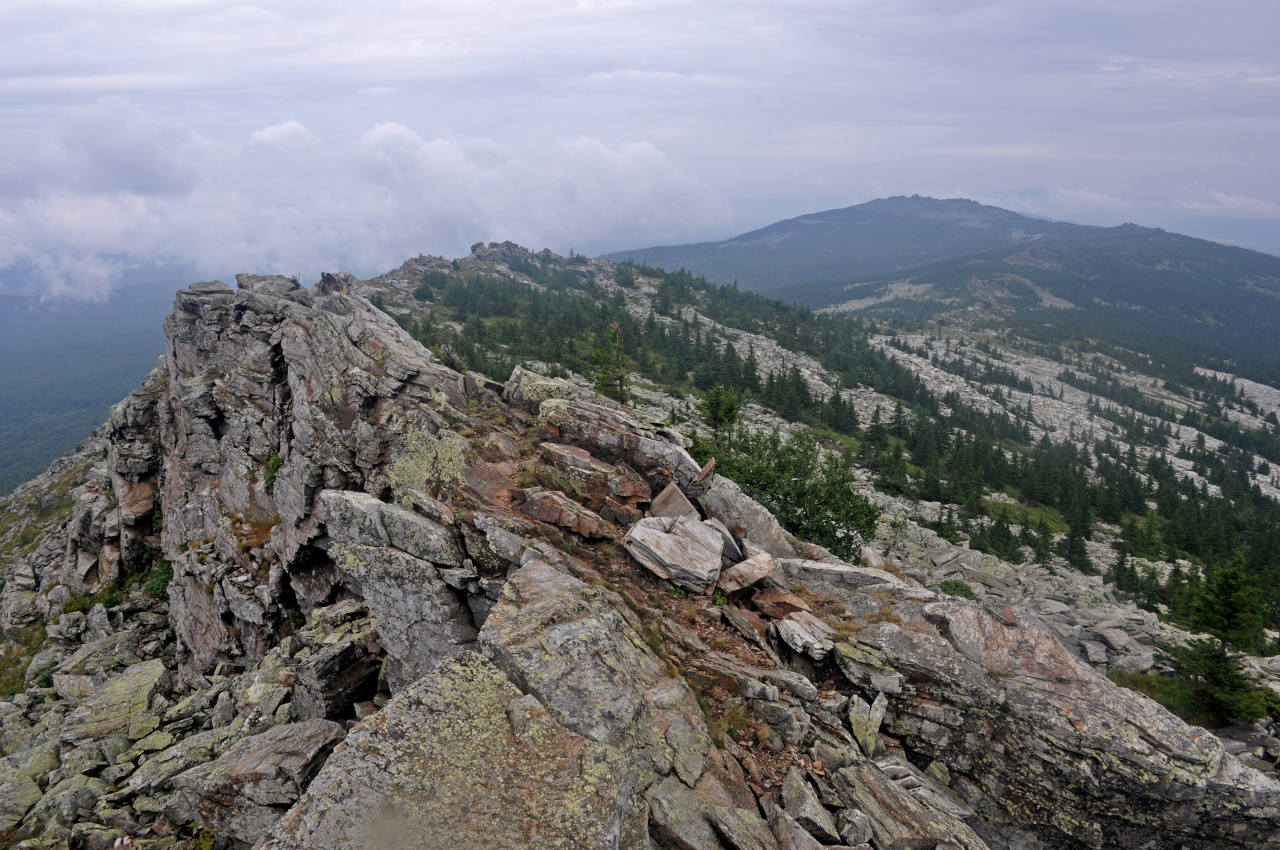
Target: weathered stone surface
(801,802)
(17,795)
(352,517)
(461,759)
(328,682)
(420,619)
(790,834)
(154,773)
(243,792)
(745,518)
(682,550)
(569,644)
(897,817)
(854,826)
(806,634)
(610,435)
(673,503)
(62,806)
(528,389)
(777,603)
(741,829)
(677,817)
(746,573)
(615,492)
(550,506)
(842,573)
(865,720)
(1095,765)
(119,707)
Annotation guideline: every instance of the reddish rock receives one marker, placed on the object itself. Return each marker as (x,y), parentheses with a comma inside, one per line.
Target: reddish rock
(550,506)
(746,573)
(777,603)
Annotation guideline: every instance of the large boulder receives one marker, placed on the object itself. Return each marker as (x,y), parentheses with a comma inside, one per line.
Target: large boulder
(243,792)
(682,550)
(122,706)
(571,645)
(745,518)
(1008,708)
(461,759)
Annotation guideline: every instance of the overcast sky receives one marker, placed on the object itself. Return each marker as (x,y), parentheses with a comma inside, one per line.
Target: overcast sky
(315,135)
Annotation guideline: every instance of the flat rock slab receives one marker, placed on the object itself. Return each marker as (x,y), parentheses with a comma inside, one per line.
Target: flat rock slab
(353,517)
(776,602)
(841,573)
(460,759)
(119,707)
(246,790)
(746,573)
(558,509)
(806,634)
(683,551)
(673,503)
(801,802)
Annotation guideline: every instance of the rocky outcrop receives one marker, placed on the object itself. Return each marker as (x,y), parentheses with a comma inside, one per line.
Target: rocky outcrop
(410,607)
(462,758)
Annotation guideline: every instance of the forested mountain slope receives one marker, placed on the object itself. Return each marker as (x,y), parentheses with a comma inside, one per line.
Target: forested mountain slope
(835,246)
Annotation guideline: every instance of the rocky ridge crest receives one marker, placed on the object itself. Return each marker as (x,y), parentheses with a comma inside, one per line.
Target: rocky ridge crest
(409,608)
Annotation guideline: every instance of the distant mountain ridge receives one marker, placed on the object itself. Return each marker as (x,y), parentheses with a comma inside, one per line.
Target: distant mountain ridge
(851,242)
(916,259)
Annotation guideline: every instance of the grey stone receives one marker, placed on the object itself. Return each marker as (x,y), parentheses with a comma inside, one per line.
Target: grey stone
(801,802)
(745,518)
(352,517)
(243,792)
(672,503)
(441,767)
(683,550)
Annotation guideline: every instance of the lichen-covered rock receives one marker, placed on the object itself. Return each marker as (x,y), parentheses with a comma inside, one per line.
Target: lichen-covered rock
(801,802)
(243,792)
(570,644)
(461,759)
(18,794)
(122,706)
(420,618)
(1034,734)
(352,517)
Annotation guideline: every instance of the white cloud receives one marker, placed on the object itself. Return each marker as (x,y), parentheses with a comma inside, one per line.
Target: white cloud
(288,200)
(303,134)
(1214,202)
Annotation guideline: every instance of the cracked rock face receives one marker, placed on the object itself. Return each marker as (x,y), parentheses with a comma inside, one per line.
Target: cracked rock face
(461,758)
(411,607)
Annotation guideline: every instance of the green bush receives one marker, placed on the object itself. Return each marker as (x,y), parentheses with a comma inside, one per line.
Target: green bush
(273,469)
(811,495)
(956,587)
(156,581)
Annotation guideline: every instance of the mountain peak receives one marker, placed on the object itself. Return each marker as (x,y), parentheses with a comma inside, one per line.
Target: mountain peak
(848,242)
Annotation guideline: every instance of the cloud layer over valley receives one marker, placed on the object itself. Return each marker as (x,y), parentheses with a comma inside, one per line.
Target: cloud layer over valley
(301,137)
